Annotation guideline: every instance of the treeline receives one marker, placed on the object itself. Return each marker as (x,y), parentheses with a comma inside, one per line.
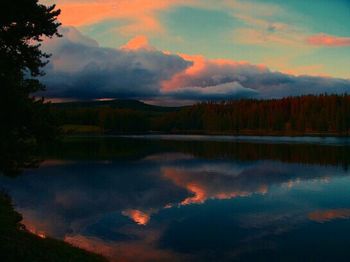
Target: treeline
(323,113)
(292,115)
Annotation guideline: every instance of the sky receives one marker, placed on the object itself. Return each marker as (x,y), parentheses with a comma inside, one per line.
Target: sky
(183,51)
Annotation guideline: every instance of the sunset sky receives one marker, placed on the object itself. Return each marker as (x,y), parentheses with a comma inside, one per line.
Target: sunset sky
(182,51)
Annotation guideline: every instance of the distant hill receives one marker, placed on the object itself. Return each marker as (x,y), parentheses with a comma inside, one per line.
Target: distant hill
(116,104)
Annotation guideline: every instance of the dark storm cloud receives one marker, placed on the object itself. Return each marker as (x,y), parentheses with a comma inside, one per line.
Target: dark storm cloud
(81,69)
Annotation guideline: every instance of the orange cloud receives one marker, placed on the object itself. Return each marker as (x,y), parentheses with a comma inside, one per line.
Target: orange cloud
(322,216)
(138,42)
(328,40)
(139,217)
(202,66)
(179,79)
(199,194)
(203,187)
(140,15)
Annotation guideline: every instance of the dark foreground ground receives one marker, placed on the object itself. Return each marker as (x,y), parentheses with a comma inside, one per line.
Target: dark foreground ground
(17,244)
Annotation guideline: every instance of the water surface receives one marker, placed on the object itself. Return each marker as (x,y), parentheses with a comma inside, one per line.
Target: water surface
(182,199)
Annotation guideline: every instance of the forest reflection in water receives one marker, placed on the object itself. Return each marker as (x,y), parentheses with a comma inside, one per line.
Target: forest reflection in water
(198,200)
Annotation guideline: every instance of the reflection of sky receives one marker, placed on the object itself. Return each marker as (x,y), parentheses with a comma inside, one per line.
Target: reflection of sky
(175,206)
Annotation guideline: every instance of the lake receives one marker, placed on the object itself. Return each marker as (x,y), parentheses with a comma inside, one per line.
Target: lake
(192,198)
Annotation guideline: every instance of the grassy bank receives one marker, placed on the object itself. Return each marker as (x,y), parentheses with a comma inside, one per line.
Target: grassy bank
(17,244)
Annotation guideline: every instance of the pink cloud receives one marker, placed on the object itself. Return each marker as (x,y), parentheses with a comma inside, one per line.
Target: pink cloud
(138,42)
(328,40)
(209,72)
(141,15)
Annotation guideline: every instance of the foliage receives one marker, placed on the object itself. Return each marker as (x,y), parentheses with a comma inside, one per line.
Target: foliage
(323,114)
(117,116)
(301,115)
(25,120)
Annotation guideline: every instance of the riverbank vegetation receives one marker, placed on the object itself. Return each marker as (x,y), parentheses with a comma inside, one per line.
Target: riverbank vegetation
(304,115)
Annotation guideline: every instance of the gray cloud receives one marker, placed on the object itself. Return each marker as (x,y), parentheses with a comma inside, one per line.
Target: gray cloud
(81,69)
(255,81)
(215,92)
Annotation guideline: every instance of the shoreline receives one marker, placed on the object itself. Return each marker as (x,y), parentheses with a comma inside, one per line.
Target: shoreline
(321,140)
(94,130)
(17,243)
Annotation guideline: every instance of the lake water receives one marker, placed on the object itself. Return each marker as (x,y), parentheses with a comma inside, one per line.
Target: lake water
(176,198)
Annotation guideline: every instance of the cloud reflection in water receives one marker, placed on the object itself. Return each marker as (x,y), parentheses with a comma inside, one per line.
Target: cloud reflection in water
(147,207)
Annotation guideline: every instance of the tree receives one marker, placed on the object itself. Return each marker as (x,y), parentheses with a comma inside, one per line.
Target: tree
(24,118)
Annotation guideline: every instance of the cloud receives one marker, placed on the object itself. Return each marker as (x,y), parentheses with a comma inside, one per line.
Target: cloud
(322,216)
(137,16)
(328,40)
(98,206)
(216,92)
(203,184)
(139,217)
(227,180)
(274,35)
(142,15)
(81,69)
(208,73)
(138,42)
(229,79)
(261,30)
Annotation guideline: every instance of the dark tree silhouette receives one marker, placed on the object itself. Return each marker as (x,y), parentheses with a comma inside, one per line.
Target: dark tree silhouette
(309,114)
(25,120)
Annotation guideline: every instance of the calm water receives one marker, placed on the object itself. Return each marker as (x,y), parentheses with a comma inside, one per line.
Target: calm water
(180,199)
